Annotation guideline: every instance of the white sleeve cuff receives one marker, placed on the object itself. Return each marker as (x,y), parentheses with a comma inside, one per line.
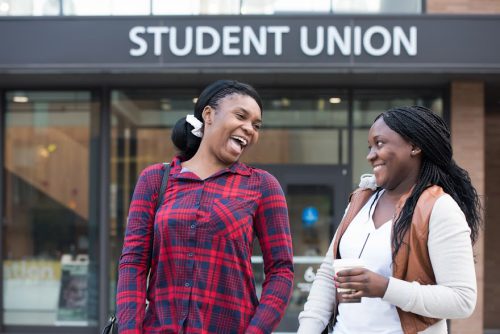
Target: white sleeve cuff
(398,293)
(308,326)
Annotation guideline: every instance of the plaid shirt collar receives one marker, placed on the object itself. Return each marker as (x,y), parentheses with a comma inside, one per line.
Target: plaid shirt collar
(235,168)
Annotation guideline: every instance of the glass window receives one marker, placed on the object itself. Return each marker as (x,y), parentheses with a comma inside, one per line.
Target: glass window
(29,7)
(377,6)
(284,6)
(107,7)
(367,105)
(196,7)
(302,130)
(205,7)
(50,275)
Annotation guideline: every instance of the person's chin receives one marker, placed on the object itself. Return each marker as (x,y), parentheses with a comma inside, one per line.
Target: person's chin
(229,159)
(382,183)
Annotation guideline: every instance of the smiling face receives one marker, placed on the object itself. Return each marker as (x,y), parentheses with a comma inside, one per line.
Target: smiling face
(395,161)
(231,128)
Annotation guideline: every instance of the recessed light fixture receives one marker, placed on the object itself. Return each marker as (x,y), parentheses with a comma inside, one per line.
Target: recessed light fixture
(20,99)
(51,148)
(195,99)
(4,7)
(335,100)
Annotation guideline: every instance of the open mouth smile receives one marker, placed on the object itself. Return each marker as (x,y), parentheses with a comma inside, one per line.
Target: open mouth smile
(241,141)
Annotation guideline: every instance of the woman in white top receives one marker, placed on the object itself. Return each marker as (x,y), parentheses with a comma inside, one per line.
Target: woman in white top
(411,155)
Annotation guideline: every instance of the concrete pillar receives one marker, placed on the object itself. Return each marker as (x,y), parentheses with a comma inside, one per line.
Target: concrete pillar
(492,228)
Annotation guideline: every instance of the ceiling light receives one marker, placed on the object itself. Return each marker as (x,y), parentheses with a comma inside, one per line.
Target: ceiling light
(4,7)
(195,99)
(20,99)
(51,148)
(335,100)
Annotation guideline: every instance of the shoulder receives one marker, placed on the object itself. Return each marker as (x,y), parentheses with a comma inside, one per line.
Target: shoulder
(151,176)
(447,217)
(367,189)
(447,221)
(444,205)
(152,170)
(367,181)
(266,180)
(433,192)
(427,200)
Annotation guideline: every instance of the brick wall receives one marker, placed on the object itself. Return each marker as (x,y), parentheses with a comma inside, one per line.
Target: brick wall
(467,126)
(463,6)
(492,246)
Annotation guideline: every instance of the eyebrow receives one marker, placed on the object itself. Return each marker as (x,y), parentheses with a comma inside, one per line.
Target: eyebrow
(259,120)
(375,138)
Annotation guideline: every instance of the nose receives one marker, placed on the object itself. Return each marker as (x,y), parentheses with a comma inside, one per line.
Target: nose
(371,154)
(248,128)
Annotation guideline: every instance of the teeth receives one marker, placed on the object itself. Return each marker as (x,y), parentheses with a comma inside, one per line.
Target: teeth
(243,141)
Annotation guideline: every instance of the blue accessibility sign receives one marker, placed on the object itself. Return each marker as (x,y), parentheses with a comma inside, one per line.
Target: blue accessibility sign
(310,216)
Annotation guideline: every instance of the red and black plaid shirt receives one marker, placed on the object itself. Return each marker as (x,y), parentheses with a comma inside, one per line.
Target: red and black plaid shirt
(201,278)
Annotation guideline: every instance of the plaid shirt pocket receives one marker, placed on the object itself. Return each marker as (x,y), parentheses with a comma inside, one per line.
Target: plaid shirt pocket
(232,218)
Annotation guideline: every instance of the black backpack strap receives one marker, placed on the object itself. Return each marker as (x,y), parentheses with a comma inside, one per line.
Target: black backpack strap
(112,325)
(163,186)
(161,193)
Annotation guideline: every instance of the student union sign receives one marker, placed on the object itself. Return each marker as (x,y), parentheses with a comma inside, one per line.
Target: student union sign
(255,43)
(235,40)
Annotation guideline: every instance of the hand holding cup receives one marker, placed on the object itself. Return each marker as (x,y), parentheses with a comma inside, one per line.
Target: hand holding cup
(354,281)
(341,265)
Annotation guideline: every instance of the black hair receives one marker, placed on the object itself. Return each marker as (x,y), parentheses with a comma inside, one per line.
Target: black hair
(427,130)
(186,142)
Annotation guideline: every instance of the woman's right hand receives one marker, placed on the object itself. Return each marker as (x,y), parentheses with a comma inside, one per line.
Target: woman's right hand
(364,282)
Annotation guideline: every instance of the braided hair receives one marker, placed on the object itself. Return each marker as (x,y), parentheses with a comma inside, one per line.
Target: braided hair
(186,142)
(429,132)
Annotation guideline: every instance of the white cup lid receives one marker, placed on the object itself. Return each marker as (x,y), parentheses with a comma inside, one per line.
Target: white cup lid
(348,262)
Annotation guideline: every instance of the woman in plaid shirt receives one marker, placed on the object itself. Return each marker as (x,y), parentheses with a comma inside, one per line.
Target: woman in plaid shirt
(198,245)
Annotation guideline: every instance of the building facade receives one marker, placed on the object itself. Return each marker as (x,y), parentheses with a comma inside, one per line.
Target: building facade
(87,102)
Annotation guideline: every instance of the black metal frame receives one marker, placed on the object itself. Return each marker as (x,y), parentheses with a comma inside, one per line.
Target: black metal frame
(104,172)
(3,107)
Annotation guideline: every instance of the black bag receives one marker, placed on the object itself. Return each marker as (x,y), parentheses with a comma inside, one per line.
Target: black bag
(328,329)
(112,326)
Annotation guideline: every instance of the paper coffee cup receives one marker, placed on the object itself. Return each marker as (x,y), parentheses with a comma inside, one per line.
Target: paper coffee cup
(343,264)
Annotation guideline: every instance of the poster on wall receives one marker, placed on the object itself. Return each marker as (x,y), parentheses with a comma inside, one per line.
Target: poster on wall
(73,295)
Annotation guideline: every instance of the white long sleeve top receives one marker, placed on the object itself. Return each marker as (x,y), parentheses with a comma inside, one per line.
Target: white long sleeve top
(451,255)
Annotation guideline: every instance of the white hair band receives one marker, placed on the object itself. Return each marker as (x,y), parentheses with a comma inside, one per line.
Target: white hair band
(197,125)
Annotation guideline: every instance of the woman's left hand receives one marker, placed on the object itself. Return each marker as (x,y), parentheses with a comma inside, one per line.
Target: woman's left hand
(366,283)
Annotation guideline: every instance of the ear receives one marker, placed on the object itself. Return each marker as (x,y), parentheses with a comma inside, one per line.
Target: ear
(208,115)
(415,150)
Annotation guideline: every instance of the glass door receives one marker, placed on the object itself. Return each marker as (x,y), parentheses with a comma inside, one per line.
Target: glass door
(316,197)
(50,231)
